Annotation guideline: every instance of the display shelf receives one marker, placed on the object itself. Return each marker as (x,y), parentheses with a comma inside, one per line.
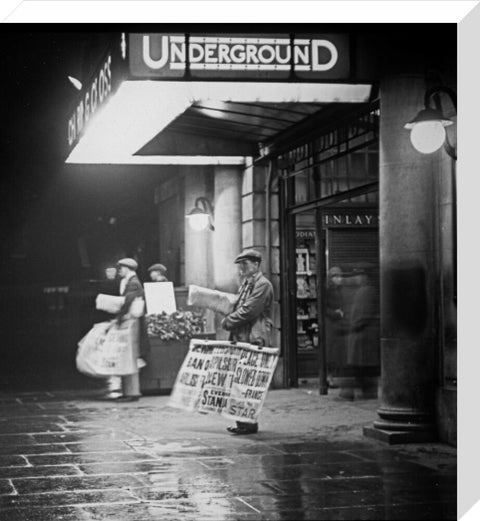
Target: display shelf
(306,296)
(303,260)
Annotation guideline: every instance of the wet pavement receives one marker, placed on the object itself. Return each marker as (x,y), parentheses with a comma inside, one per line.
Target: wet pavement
(67,455)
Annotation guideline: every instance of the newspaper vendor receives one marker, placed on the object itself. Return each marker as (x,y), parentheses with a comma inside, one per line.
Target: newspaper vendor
(131,288)
(251,320)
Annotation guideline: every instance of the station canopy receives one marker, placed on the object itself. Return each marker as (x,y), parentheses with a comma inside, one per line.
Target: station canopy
(134,112)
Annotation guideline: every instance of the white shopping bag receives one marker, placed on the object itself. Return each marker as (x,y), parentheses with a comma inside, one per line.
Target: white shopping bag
(106,350)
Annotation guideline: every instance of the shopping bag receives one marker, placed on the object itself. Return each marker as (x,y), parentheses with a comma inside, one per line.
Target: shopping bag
(109,303)
(89,347)
(106,350)
(218,301)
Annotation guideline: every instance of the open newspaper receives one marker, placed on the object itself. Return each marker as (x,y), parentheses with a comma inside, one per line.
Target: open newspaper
(218,301)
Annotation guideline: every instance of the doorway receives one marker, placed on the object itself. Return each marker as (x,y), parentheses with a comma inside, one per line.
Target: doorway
(333,254)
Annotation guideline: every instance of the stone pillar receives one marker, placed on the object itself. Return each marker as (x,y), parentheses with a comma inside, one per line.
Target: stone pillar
(260,230)
(227,238)
(408,262)
(253,210)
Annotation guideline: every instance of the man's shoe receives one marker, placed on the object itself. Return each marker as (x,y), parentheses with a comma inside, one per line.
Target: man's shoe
(243,430)
(110,396)
(127,399)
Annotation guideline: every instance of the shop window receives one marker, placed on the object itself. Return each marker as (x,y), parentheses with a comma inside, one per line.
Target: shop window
(306,296)
(336,161)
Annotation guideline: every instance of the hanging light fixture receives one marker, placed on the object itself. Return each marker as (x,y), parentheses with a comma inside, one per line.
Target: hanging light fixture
(201,217)
(428,127)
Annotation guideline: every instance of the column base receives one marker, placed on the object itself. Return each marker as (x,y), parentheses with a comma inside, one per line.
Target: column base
(402,425)
(393,418)
(399,436)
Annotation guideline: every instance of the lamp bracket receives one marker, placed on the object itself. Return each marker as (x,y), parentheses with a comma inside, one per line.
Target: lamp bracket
(433,93)
(429,93)
(206,205)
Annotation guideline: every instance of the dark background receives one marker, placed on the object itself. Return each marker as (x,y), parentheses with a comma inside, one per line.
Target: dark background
(47,206)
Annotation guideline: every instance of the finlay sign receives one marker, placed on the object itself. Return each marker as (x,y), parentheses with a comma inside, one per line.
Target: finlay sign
(276,57)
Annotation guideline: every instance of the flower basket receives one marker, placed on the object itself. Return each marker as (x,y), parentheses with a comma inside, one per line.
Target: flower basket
(180,325)
(169,338)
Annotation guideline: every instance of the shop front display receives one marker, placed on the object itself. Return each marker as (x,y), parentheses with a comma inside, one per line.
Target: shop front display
(306,298)
(330,190)
(351,247)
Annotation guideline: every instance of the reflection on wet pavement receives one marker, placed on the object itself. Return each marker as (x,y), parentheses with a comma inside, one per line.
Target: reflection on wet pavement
(64,457)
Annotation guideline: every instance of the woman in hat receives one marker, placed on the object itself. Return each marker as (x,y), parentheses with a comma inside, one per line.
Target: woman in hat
(335,326)
(363,349)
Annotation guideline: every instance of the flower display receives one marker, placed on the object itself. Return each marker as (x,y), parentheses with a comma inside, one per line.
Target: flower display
(176,326)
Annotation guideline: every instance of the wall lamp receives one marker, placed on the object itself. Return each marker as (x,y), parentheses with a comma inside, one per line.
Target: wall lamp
(428,127)
(201,217)
(75,82)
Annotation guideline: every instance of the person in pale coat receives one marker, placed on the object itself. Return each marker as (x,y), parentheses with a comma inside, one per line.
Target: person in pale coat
(130,288)
(251,319)
(110,286)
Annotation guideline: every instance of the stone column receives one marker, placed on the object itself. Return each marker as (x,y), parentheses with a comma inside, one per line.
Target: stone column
(253,211)
(198,244)
(227,238)
(408,253)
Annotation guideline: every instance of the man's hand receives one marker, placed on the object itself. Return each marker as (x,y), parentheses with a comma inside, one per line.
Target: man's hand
(224,323)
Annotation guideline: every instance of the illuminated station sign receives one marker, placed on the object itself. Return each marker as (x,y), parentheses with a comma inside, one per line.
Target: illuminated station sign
(168,56)
(147,80)
(93,97)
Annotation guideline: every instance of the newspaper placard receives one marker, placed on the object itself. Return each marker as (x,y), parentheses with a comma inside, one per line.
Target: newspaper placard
(231,379)
(160,298)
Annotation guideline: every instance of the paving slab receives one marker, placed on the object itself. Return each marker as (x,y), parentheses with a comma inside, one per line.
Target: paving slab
(69,455)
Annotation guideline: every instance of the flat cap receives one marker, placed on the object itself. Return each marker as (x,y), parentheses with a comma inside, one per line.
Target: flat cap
(157,267)
(335,271)
(252,255)
(362,268)
(129,263)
